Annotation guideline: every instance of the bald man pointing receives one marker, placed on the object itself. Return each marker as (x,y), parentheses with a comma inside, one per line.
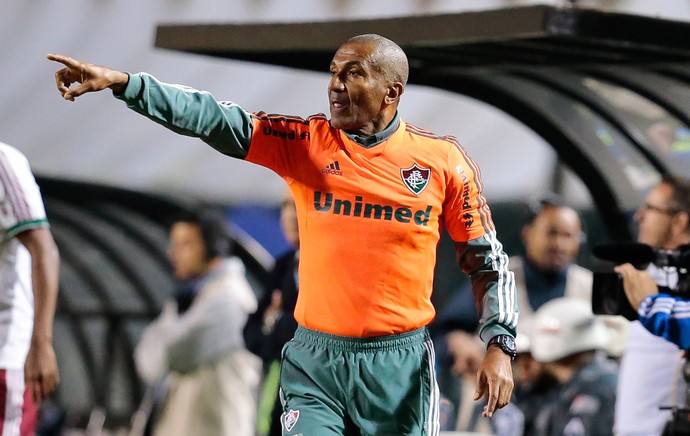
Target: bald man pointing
(372,194)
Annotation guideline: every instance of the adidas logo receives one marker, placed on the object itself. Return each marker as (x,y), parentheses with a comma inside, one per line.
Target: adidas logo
(333,168)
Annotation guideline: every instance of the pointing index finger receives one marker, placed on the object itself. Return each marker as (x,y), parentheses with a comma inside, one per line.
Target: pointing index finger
(66,60)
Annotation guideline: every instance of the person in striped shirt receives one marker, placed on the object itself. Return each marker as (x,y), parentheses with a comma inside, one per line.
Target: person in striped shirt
(648,368)
(664,315)
(373,194)
(29,270)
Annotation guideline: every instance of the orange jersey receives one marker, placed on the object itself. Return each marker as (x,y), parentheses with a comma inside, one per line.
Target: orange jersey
(370,219)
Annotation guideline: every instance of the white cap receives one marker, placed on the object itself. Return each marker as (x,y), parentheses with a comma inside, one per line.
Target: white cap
(522,340)
(617,327)
(566,326)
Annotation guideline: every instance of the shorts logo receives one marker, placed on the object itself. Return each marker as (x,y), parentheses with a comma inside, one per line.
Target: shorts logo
(290,419)
(415,178)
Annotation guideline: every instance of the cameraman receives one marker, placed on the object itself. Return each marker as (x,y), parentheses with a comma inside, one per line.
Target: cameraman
(661,314)
(649,363)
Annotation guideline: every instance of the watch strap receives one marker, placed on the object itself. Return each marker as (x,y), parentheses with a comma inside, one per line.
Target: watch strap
(506,343)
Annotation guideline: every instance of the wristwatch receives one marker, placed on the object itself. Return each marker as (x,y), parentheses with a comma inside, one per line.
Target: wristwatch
(506,343)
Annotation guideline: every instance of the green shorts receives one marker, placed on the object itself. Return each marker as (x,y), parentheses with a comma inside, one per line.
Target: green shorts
(333,385)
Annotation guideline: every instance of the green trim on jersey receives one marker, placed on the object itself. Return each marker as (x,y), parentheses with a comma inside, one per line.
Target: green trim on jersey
(26,225)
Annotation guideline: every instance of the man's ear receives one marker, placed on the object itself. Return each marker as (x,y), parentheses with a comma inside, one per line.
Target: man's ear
(395,90)
(524,234)
(681,222)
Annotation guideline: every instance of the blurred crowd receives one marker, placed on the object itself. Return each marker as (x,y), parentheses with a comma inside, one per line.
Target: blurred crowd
(575,372)
(572,368)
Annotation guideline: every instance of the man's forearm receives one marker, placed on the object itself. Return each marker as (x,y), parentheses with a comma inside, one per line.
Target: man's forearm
(223,125)
(45,277)
(493,285)
(668,317)
(45,269)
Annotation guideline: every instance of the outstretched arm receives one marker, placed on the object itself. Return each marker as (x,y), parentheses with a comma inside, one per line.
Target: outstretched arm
(223,125)
(40,369)
(91,78)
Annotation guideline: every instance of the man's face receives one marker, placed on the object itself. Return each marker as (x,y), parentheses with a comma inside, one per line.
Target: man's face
(187,251)
(553,239)
(655,219)
(357,89)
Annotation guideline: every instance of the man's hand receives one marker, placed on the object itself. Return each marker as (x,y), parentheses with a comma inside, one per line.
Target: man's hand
(92,78)
(495,377)
(273,312)
(40,371)
(637,284)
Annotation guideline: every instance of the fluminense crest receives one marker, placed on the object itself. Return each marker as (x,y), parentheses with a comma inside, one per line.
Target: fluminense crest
(415,178)
(290,419)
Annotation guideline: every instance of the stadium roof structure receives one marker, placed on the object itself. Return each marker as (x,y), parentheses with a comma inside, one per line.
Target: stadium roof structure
(467,41)
(608,91)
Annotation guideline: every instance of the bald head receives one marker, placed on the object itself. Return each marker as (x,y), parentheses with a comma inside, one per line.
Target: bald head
(368,75)
(387,57)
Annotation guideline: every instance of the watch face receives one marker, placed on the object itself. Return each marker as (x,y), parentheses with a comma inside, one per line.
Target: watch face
(509,343)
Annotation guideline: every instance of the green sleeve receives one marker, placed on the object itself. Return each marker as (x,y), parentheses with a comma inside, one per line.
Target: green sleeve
(223,125)
(493,285)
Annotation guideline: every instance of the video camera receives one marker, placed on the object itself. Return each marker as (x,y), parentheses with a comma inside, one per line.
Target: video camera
(608,298)
(608,295)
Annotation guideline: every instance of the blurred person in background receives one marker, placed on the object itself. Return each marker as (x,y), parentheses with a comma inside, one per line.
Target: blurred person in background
(273,324)
(29,273)
(196,345)
(570,341)
(663,314)
(534,386)
(650,363)
(551,235)
(551,238)
(468,417)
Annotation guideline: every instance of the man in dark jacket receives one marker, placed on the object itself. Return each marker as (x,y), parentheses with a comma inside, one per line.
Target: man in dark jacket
(273,324)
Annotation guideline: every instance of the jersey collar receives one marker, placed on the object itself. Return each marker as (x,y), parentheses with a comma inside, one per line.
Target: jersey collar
(376,138)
